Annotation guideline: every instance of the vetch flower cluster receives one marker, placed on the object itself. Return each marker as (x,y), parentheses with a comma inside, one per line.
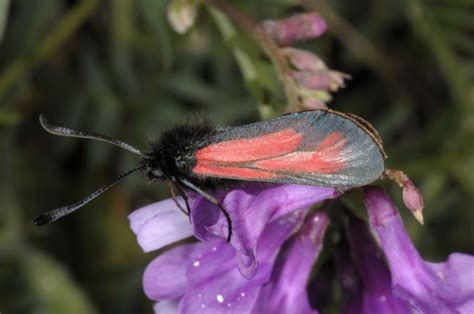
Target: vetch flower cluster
(266,267)
(446,287)
(246,275)
(297,28)
(313,79)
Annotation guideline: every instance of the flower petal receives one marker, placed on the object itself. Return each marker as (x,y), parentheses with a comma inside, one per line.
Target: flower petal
(457,277)
(229,292)
(286,293)
(324,80)
(224,289)
(204,215)
(251,208)
(412,278)
(176,271)
(320,286)
(348,279)
(208,260)
(159,224)
(376,294)
(299,27)
(303,60)
(166,307)
(165,277)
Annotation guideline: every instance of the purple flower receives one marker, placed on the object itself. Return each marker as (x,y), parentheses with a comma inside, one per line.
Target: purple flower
(365,276)
(159,224)
(214,276)
(428,287)
(300,27)
(286,290)
(266,267)
(405,283)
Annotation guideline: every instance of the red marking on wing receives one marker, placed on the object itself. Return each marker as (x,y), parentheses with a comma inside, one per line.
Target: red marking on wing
(250,149)
(326,158)
(232,172)
(334,142)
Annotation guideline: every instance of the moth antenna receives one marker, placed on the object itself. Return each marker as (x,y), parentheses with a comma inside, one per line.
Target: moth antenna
(57,213)
(68,132)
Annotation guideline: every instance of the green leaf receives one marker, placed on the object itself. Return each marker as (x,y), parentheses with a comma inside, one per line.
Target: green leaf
(52,286)
(9,117)
(4,5)
(154,14)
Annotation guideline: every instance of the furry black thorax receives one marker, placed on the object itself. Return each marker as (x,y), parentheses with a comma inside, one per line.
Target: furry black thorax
(172,156)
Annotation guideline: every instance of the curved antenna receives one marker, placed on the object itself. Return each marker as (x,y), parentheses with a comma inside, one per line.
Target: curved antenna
(68,132)
(57,213)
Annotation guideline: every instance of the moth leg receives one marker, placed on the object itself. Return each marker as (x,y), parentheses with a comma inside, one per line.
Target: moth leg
(212,200)
(185,197)
(173,196)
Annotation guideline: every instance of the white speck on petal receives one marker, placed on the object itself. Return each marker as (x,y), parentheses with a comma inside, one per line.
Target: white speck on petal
(440,275)
(220,298)
(196,263)
(242,294)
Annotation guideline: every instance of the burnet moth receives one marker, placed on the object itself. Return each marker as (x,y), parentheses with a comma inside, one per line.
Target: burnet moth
(320,147)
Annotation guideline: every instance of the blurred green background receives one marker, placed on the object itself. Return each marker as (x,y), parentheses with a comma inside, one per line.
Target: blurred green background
(118,68)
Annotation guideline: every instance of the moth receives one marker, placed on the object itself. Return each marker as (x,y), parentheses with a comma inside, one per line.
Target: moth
(319,147)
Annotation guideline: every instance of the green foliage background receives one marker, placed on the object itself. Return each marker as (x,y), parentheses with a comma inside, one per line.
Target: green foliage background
(117,67)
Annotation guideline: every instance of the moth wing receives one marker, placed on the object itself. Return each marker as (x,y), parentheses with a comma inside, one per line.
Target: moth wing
(313,147)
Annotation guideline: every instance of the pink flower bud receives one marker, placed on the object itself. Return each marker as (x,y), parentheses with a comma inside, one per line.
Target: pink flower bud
(412,197)
(303,60)
(321,80)
(300,27)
